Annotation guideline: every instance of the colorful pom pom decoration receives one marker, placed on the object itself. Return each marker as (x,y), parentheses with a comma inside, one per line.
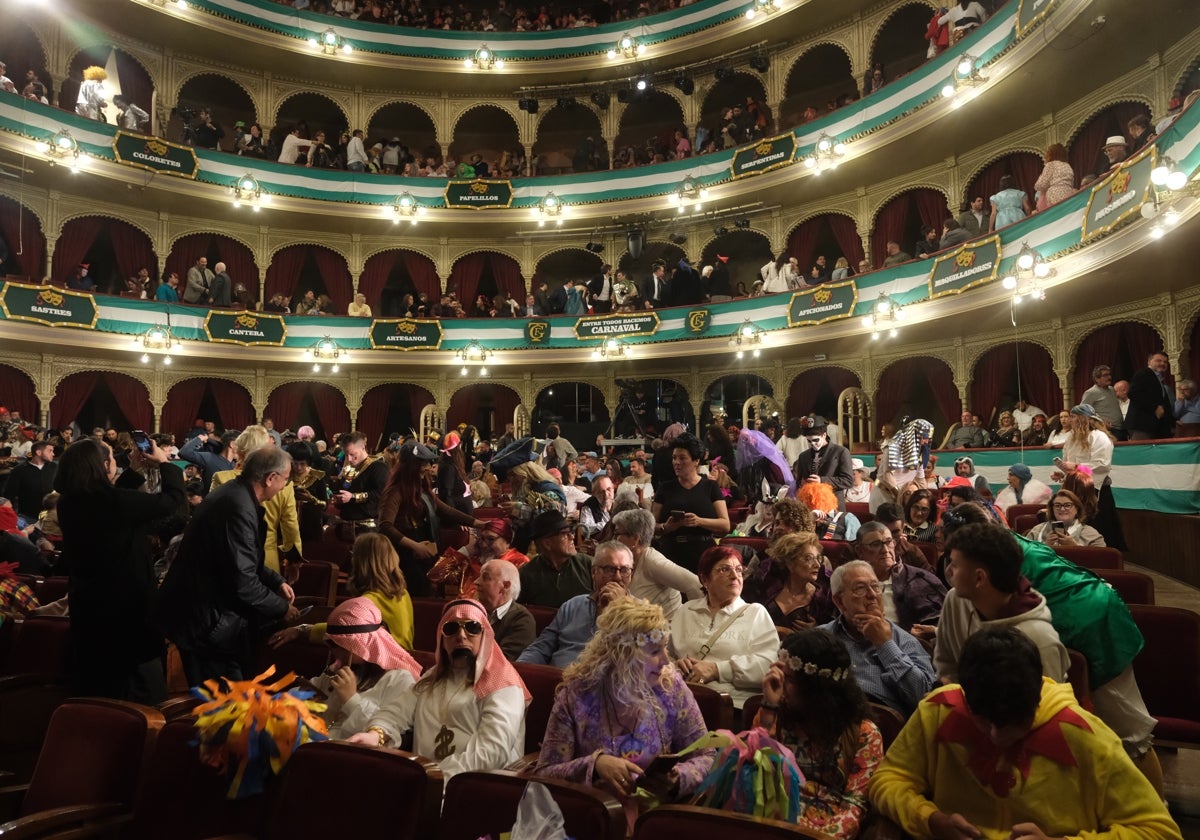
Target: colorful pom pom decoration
(752,774)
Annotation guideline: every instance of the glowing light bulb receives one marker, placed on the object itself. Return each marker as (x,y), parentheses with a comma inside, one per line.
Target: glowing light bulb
(1009,282)
(947,90)
(1177,180)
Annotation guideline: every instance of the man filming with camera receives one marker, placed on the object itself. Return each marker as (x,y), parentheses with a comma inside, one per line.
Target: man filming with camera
(206,132)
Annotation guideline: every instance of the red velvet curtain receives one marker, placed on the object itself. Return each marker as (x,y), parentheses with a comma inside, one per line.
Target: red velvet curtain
(1086,154)
(375,275)
(238,259)
(17,391)
(239,265)
(995,375)
(1025,167)
(889,225)
(507,273)
(931,207)
(373,413)
(808,385)
(185,252)
(464,277)
(1124,347)
(894,385)
(1194,352)
(504,403)
(135,82)
(945,392)
(283,406)
(424,276)
(70,395)
(23,232)
(846,234)
(467,403)
(133,397)
(464,406)
(336,275)
(133,249)
(234,403)
(284,270)
(77,237)
(802,244)
(182,407)
(331,409)
(899,379)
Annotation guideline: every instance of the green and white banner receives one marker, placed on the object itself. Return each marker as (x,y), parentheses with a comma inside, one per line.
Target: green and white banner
(406,334)
(537,332)
(617,326)
(764,156)
(48,305)
(971,264)
(827,302)
(246,328)
(155,154)
(1119,196)
(479,194)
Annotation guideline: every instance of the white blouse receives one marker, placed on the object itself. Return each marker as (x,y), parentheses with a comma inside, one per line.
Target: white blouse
(742,654)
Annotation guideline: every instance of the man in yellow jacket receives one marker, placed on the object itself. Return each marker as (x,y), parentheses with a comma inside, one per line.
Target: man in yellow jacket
(1009,755)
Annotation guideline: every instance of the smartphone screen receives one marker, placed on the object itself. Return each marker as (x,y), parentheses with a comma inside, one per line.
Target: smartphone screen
(141,439)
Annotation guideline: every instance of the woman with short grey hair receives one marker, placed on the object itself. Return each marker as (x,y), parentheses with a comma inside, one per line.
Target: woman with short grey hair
(655,578)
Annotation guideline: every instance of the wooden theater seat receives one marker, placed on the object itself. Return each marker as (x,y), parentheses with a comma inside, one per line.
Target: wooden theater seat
(481,804)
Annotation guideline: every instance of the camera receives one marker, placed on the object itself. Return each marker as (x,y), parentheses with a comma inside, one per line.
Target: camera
(184,113)
(141,439)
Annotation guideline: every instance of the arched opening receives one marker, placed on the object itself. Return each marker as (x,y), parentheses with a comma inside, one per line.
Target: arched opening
(487,406)
(410,125)
(485,273)
(724,398)
(819,79)
(573,265)
(667,402)
(94,398)
(816,391)
(20,393)
(748,252)
(389,276)
(652,252)
(1124,347)
(126,76)
(744,95)
(313,404)
(920,386)
(901,218)
(829,235)
(1018,368)
(1190,81)
(217,247)
(22,52)
(578,409)
(23,251)
(298,269)
(569,140)
(227,404)
(1024,167)
(487,133)
(896,47)
(646,133)
(113,249)
(1085,152)
(311,112)
(395,407)
(227,103)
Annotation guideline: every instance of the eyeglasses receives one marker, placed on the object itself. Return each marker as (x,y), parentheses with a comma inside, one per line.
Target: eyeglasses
(878,544)
(1063,506)
(861,590)
(729,571)
(921,509)
(451,628)
(614,571)
(811,559)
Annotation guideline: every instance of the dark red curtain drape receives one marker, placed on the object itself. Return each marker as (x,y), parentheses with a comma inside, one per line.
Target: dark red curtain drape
(1124,347)
(233,400)
(464,277)
(336,274)
(1086,154)
(77,237)
(133,397)
(900,379)
(283,406)
(135,82)
(1023,166)
(26,243)
(846,234)
(239,265)
(807,386)
(70,396)
(133,249)
(331,409)
(931,207)
(17,391)
(995,376)
(467,404)
(889,224)
(802,244)
(504,403)
(507,273)
(945,392)
(238,259)
(182,407)
(284,270)
(375,275)
(423,273)
(1194,352)
(464,406)
(894,384)
(185,252)
(373,413)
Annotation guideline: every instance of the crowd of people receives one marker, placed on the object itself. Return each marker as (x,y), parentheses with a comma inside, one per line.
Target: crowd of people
(502,17)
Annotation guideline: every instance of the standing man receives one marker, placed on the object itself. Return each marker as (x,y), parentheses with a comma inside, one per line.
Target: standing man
(130,117)
(1023,414)
(1151,414)
(199,281)
(218,594)
(221,290)
(362,481)
(198,452)
(600,290)
(1102,397)
(498,587)
(208,132)
(356,153)
(654,292)
(973,220)
(824,462)
(31,480)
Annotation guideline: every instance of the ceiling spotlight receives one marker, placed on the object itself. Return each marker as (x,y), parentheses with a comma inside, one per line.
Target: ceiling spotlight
(720,230)
(677,238)
(724,73)
(624,95)
(742,224)
(528,104)
(567,103)
(760,62)
(594,247)
(600,99)
(685,84)
(641,84)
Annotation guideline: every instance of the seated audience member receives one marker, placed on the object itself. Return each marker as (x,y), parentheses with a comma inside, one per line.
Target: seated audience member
(1059,429)
(804,600)
(813,705)
(367,668)
(892,667)
(575,623)
(17,551)
(764,577)
(1022,489)
(823,461)
(967,435)
(556,572)
(1065,523)
(491,540)
(895,256)
(1037,434)
(1007,433)
(964,466)
(988,591)
(596,511)
(720,640)
(957,492)
(891,515)
(467,712)
(1009,753)
(498,586)
(358,307)
(620,706)
(860,490)
(637,483)
(655,578)
(920,516)
(831,523)
(911,594)
(1187,409)
(953,234)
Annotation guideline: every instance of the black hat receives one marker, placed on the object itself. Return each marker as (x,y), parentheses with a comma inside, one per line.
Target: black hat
(814,424)
(547,523)
(412,450)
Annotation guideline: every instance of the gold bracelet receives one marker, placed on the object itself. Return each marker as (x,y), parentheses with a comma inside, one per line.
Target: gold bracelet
(383,736)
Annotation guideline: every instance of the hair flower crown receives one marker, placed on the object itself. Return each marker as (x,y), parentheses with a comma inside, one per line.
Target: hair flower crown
(653,637)
(798,666)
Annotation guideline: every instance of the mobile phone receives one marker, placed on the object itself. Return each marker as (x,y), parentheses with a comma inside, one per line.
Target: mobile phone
(1058,462)
(662,764)
(141,439)
(677,514)
(305,610)
(1061,527)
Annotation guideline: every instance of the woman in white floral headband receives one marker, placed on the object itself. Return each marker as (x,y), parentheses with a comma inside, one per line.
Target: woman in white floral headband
(813,705)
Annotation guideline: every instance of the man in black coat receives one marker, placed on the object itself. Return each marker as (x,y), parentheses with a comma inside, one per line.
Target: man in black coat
(600,289)
(1151,414)
(31,480)
(218,593)
(828,463)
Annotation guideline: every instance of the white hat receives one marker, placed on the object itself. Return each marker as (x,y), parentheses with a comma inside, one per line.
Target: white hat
(1116,140)
(856,464)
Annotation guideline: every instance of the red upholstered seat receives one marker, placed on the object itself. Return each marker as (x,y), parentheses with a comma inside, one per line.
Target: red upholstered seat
(1133,587)
(1168,671)
(1077,676)
(317,578)
(861,511)
(490,513)
(889,721)
(28,701)
(452,538)
(1014,512)
(541,680)
(696,823)
(1023,523)
(929,550)
(427,612)
(482,804)
(41,645)
(756,543)
(1092,557)
(715,706)
(542,616)
(51,589)
(426,658)
(300,657)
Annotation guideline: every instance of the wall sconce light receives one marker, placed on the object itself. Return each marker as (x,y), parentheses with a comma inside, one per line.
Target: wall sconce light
(611,348)
(62,147)
(405,206)
(483,59)
(689,192)
(473,352)
(550,207)
(330,43)
(157,339)
(747,337)
(884,311)
(765,7)
(1171,196)
(326,350)
(247,190)
(1024,279)
(827,154)
(966,74)
(627,47)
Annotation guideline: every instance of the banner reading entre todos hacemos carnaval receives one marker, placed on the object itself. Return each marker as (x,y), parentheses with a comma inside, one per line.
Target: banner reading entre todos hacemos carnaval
(826,302)
(615,326)
(479,194)
(155,154)
(245,328)
(967,266)
(1117,197)
(765,155)
(406,334)
(48,305)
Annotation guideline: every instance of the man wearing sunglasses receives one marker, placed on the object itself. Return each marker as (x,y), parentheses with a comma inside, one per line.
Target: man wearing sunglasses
(575,623)
(467,712)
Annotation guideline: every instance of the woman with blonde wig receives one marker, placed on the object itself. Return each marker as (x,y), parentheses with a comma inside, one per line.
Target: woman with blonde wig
(620,705)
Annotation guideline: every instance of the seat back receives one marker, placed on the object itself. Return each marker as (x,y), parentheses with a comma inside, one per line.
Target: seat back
(490,513)
(453,537)
(861,511)
(715,706)
(41,645)
(1077,676)
(1092,557)
(479,804)
(750,709)
(1168,668)
(696,823)
(28,701)
(1133,587)
(929,550)
(541,680)
(889,721)
(94,752)
(1021,523)
(427,612)
(298,656)
(319,579)
(542,616)
(51,589)
(425,658)
(756,543)
(397,794)
(1014,512)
